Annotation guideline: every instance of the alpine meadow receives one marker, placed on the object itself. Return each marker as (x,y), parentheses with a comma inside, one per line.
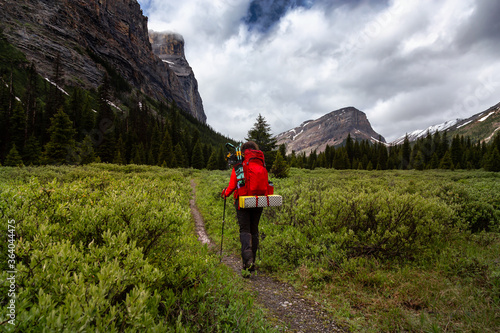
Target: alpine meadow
(383,251)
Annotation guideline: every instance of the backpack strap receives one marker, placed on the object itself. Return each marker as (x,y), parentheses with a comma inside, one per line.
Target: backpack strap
(257,158)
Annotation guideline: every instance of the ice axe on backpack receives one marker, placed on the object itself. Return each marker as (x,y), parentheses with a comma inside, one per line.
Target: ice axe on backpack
(234,155)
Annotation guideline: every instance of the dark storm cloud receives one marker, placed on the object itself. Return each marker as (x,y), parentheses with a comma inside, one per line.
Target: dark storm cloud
(483,26)
(263,14)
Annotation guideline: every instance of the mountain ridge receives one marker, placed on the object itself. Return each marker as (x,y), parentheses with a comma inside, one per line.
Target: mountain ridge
(309,136)
(480,126)
(331,129)
(91,36)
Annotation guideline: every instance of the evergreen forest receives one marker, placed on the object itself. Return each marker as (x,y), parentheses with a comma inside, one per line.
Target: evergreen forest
(43,121)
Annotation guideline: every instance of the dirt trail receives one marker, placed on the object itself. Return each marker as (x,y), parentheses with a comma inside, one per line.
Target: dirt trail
(283,303)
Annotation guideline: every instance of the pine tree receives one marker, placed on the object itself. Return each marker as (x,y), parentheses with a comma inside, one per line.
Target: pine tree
(456,152)
(4,119)
(173,161)
(61,148)
(349,148)
(13,159)
(180,156)
(492,160)
(293,160)
(87,154)
(78,109)
(405,153)
(212,161)
(418,161)
(197,160)
(312,160)
(105,121)
(55,98)
(106,150)
(221,158)
(175,127)
(155,146)
(382,155)
(280,167)
(282,150)
(166,152)
(446,161)
(496,141)
(31,101)
(261,135)
(17,125)
(32,151)
(138,155)
(119,157)
(341,160)
(443,145)
(427,149)
(434,163)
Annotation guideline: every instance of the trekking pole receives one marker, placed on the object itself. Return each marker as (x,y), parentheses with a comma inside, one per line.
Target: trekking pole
(223,221)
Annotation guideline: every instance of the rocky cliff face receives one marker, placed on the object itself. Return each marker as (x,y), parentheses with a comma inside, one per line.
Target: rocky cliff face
(332,129)
(81,31)
(169,47)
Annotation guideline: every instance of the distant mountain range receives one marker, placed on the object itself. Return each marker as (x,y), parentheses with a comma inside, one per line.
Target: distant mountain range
(479,127)
(333,128)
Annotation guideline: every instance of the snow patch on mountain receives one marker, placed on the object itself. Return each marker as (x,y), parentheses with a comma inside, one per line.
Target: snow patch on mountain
(430,130)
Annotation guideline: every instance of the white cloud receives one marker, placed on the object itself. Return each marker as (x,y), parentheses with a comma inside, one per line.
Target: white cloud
(408,65)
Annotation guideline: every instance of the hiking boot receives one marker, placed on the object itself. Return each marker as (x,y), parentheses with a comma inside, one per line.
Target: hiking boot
(251,268)
(245,273)
(249,265)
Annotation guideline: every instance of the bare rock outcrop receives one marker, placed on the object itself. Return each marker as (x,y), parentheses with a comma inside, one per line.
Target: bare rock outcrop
(332,129)
(169,47)
(91,37)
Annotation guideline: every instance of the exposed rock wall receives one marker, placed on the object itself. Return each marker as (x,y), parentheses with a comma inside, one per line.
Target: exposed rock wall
(332,129)
(114,30)
(169,47)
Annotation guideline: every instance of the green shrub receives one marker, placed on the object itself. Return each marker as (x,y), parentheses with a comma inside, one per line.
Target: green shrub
(110,248)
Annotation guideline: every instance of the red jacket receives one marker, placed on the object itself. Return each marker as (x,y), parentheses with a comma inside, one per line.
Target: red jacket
(233,184)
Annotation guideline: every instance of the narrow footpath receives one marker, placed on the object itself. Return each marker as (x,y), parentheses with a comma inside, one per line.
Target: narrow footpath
(283,303)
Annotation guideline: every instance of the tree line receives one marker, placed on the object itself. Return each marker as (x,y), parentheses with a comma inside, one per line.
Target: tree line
(435,151)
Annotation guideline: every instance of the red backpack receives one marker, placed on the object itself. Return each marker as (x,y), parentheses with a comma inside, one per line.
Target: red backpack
(255,172)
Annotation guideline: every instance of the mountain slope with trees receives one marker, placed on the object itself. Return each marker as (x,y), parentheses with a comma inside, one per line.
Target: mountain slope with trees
(45,120)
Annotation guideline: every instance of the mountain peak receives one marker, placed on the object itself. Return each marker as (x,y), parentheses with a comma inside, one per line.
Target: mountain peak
(331,129)
(169,47)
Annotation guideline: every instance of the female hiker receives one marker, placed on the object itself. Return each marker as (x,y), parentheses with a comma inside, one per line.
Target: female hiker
(255,183)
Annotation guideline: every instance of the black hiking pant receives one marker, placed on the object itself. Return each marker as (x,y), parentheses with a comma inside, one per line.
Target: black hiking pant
(248,220)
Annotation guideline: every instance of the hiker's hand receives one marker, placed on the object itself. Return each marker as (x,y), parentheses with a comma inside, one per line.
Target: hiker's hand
(223,193)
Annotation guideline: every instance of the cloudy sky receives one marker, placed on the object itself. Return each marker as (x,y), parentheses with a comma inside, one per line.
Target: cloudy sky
(407,64)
